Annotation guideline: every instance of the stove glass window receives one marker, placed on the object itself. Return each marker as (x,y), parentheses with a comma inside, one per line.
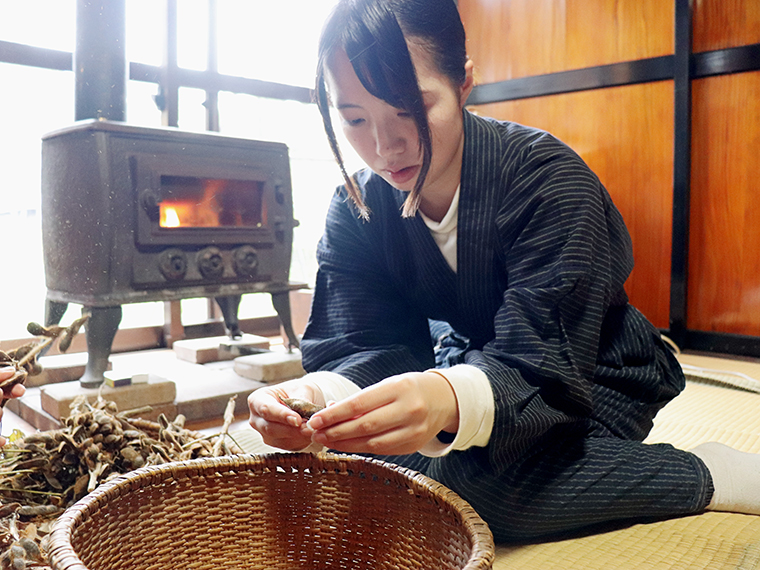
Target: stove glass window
(190,202)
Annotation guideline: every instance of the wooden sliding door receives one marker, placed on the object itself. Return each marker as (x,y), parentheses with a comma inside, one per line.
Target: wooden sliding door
(662,100)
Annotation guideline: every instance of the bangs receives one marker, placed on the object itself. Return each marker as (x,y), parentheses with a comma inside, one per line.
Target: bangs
(378,52)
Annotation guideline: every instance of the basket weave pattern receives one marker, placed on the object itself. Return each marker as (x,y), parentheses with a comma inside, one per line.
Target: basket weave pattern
(278,511)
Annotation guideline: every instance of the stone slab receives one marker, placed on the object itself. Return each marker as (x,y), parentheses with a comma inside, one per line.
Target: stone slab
(29,409)
(57,398)
(204,397)
(270,366)
(204,350)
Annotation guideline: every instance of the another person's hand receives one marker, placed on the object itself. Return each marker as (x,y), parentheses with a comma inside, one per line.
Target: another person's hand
(396,416)
(278,425)
(16,391)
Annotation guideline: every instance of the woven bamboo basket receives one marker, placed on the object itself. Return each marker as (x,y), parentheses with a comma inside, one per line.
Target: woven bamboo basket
(273,511)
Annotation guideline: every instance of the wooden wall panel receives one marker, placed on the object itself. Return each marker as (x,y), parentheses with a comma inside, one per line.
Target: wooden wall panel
(518,38)
(724,249)
(625,134)
(720,24)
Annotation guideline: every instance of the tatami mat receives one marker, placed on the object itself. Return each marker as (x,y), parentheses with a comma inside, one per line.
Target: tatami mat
(710,541)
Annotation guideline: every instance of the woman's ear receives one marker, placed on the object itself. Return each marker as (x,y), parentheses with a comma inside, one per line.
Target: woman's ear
(469,82)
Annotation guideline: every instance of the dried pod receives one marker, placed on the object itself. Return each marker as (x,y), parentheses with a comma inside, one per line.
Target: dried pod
(17,551)
(129,453)
(80,486)
(38,510)
(33,463)
(33,368)
(64,343)
(37,329)
(304,408)
(92,451)
(52,481)
(8,509)
(113,439)
(31,548)
(22,351)
(68,335)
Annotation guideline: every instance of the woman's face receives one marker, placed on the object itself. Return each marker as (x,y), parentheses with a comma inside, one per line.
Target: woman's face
(386,137)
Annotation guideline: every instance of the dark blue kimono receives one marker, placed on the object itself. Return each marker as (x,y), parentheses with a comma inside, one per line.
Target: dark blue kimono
(577,373)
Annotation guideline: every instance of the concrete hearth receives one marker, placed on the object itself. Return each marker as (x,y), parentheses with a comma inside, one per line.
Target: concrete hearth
(200,392)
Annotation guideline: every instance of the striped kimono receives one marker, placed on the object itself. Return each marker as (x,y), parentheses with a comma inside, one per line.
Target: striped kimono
(577,373)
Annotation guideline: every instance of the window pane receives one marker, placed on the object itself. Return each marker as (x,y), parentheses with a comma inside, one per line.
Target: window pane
(192,112)
(146,31)
(29,114)
(314,173)
(43,23)
(272,41)
(141,105)
(192,34)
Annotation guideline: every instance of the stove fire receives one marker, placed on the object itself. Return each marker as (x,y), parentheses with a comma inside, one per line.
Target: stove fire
(210,203)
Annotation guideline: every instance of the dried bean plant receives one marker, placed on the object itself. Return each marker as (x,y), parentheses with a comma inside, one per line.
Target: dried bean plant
(24,358)
(43,473)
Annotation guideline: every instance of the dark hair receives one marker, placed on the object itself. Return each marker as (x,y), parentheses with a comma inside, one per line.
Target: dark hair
(372,33)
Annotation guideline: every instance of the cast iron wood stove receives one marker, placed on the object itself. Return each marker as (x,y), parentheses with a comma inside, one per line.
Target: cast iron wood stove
(132,214)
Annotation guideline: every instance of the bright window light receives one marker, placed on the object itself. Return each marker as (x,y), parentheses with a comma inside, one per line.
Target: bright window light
(260,39)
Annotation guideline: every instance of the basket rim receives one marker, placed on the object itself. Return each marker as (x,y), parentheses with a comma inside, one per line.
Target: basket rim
(62,556)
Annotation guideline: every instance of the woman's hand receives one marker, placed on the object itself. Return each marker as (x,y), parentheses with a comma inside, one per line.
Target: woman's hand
(278,425)
(394,417)
(15,391)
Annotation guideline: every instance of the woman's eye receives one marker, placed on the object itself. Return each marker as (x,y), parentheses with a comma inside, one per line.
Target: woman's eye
(354,122)
(405,115)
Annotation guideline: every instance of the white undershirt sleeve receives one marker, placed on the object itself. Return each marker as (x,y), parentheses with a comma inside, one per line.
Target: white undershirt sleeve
(476,410)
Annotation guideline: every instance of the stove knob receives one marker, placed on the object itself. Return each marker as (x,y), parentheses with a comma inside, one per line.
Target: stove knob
(173,264)
(210,263)
(245,261)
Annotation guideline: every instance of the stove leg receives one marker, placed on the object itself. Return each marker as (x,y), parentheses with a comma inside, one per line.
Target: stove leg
(229,306)
(281,303)
(54,311)
(100,330)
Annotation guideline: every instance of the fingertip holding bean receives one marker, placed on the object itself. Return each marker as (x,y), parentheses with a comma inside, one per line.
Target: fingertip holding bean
(316,422)
(294,421)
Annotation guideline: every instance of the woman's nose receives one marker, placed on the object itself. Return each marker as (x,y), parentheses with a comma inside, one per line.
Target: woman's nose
(389,141)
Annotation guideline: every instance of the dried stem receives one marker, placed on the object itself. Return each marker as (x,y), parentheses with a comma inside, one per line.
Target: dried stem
(229,417)
(35,351)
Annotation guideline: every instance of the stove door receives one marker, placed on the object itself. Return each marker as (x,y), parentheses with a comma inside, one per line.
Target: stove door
(196,202)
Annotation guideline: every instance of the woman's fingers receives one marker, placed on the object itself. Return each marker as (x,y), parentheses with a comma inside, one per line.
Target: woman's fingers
(279,425)
(398,415)
(17,391)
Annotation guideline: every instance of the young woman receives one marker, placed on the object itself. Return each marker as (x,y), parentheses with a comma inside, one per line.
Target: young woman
(469,319)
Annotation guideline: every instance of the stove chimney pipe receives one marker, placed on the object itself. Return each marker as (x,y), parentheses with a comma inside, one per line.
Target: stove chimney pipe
(100,60)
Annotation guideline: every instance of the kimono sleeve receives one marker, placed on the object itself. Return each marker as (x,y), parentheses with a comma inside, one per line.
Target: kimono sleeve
(361,326)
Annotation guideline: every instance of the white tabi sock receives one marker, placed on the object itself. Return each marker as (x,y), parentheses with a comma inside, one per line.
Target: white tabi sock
(735,475)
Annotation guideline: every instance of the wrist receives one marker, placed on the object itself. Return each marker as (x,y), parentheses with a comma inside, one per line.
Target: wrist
(448,399)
